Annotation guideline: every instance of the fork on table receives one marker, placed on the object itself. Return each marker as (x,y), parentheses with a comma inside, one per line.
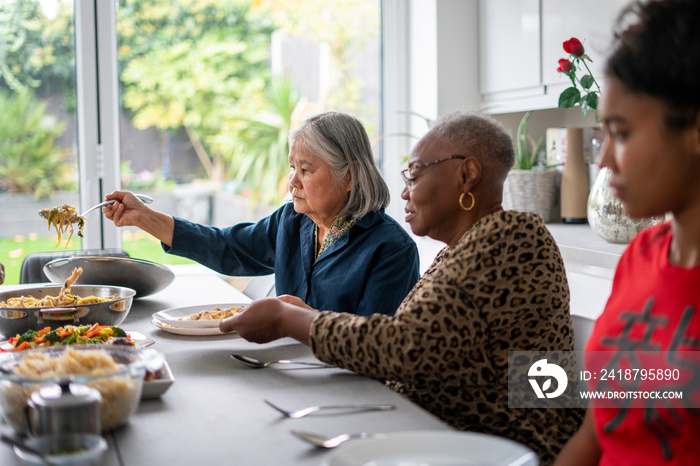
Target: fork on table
(342,408)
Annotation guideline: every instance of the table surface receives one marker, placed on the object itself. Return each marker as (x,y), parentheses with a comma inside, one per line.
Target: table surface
(214,412)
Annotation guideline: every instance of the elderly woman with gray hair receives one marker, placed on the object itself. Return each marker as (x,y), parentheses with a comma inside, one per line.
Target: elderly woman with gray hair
(332,246)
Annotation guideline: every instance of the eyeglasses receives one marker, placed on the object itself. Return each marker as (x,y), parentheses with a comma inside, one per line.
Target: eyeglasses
(409,180)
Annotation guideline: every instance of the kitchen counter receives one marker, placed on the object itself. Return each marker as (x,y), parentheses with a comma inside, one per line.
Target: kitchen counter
(581,247)
(590,266)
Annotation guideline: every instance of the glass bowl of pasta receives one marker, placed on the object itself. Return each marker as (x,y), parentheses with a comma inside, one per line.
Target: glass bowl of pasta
(117,372)
(37,307)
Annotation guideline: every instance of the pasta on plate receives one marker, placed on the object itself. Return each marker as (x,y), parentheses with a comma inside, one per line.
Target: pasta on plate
(216,313)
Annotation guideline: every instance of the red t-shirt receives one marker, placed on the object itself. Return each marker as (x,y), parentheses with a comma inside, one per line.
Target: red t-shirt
(653,306)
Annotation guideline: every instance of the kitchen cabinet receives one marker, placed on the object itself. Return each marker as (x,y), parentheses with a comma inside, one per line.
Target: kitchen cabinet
(509,42)
(520,44)
(590,21)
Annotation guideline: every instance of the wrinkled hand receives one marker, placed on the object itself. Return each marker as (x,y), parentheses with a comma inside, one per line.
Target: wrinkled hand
(127,211)
(269,319)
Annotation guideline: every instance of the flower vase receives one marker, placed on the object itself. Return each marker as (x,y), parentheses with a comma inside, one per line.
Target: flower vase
(574,179)
(607,217)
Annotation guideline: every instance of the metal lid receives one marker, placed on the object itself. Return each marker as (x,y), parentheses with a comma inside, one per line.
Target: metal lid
(66,395)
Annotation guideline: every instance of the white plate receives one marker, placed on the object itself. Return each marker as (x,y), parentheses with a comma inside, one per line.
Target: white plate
(173,316)
(206,331)
(434,449)
(139,339)
(155,388)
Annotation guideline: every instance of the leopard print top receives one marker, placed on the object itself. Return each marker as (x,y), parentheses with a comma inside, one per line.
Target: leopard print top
(501,288)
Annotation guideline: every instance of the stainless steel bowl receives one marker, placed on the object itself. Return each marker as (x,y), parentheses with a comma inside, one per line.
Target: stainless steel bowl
(143,276)
(14,320)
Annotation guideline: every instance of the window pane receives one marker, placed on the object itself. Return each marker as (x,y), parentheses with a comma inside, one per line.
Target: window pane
(210,89)
(38,139)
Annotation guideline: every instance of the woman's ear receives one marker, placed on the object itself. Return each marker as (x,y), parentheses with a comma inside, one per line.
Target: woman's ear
(347,180)
(471,171)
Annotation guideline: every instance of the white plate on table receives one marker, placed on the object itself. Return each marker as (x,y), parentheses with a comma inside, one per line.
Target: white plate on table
(205,331)
(156,387)
(432,448)
(174,316)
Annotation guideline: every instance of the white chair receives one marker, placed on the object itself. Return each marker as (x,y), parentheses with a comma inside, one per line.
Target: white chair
(260,287)
(583,326)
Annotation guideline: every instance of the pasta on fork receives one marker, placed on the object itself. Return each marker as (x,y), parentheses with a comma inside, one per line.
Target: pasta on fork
(62,218)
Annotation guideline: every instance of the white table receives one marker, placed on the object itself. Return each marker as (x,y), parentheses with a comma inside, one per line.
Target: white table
(214,412)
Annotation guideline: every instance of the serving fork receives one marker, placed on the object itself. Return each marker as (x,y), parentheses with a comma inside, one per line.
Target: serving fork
(297,414)
(145,199)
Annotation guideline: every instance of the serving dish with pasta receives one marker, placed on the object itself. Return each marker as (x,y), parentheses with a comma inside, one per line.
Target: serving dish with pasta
(63,299)
(108,305)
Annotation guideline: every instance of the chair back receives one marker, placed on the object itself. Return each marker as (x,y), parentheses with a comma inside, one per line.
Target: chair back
(260,287)
(32,270)
(583,326)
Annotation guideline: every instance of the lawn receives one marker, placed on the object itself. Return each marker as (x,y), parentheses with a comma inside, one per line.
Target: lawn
(139,245)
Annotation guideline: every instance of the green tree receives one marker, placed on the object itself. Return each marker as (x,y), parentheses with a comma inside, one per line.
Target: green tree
(258,146)
(344,26)
(36,52)
(30,162)
(189,63)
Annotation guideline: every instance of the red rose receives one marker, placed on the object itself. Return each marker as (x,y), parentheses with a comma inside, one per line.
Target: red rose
(564,66)
(574,47)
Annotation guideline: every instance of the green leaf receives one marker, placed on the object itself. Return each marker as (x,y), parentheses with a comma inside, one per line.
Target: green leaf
(569,97)
(592,100)
(587,81)
(585,108)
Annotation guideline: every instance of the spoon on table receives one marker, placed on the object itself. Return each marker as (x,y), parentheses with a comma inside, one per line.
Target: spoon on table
(257,364)
(145,199)
(323,441)
(23,446)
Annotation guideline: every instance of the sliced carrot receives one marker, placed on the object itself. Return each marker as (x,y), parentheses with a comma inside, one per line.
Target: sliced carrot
(24,345)
(93,333)
(65,333)
(44,331)
(38,339)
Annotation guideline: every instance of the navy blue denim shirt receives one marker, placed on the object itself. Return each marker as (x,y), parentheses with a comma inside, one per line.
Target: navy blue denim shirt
(370,269)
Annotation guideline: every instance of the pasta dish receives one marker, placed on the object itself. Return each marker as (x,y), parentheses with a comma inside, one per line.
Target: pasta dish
(216,313)
(64,298)
(62,218)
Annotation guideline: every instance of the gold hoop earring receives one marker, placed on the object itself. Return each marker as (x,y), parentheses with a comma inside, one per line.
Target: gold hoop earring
(461,201)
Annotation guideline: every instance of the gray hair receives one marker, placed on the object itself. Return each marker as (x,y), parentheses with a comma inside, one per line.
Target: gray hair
(478,135)
(342,142)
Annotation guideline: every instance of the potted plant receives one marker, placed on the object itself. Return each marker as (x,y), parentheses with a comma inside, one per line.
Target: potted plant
(529,186)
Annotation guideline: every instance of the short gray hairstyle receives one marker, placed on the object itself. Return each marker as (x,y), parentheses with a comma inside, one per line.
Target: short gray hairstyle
(342,142)
(479,135)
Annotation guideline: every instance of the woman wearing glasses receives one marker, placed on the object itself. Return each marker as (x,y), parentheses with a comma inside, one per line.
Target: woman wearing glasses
(332,246)
(499,285)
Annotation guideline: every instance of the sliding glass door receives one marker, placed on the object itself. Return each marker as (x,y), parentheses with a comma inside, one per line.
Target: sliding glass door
(189,102)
